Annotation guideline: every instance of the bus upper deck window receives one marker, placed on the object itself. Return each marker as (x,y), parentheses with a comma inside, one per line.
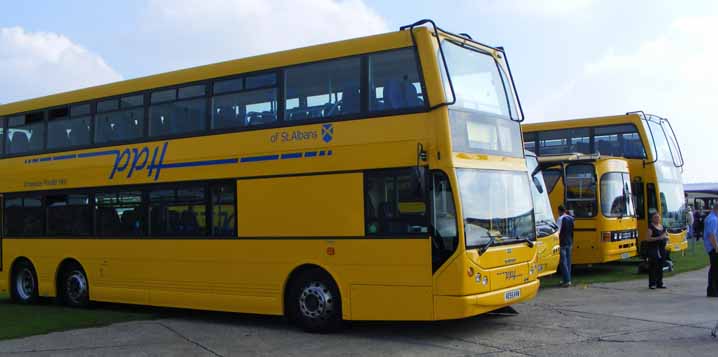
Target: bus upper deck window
(323,90)
(25,133)
(394,80)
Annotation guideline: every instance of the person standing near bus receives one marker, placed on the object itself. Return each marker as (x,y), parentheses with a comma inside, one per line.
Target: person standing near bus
(565,237)
(689,227)
(656,251)
(710,235)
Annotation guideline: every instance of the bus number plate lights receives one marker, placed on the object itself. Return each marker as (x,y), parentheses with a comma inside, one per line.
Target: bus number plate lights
(512,294)
(677,247)
(625,256)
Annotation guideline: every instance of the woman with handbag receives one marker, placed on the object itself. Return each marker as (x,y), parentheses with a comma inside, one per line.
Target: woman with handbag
(656,251)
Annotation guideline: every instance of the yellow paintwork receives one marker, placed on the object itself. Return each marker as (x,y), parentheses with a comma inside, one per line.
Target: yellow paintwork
(289,212)
(548,254)
(588,247)
(646,173)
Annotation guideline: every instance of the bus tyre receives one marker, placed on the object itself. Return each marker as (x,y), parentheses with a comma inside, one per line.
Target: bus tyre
(314,302)
(24,288)
(74,288)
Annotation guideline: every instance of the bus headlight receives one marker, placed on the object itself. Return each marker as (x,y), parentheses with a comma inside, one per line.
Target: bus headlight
(485,280)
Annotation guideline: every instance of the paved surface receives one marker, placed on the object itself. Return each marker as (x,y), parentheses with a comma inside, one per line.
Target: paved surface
(600,320)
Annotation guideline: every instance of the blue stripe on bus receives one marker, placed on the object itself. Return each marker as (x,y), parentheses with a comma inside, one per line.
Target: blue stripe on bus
(310,154)
(259,158)
(200,163)
(98,153)
(297,155)
(43,159)
(64,157)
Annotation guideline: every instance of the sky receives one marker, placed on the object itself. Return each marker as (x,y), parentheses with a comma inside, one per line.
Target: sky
(570,58)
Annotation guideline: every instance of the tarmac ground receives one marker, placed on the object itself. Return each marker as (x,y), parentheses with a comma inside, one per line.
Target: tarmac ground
(598,320)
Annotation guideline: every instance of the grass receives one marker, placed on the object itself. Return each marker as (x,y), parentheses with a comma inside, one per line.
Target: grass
(46,316)
(628,269)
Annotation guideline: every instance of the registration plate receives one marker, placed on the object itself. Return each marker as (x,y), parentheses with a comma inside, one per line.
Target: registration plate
(676,247)
(625,256)
(511,295)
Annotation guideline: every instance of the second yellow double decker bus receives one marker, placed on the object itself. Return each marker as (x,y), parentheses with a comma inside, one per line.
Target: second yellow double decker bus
(597,192)
(379,178)
(649,146)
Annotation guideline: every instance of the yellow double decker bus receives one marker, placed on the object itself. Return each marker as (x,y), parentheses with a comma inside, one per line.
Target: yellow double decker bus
(547,241)
(649,145)
(597,192)
(378,178)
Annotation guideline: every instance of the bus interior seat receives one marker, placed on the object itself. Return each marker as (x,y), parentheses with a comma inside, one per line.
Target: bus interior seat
(351,100)
(172,223)
(400,94)
(268,117)
(225,117)
(411,94)
(79,133)
(108,220)
(388,218)
(19,142)
(604,147)
(583,148)
(103,130)
(299,115)
(122,130)
(131,222)
(58,139)
(317,112)
(188,221)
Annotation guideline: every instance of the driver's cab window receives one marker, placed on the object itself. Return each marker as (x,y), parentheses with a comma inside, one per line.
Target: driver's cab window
(395,202)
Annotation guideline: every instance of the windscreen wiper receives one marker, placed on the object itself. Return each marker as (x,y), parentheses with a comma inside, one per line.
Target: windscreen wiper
(529,242)
(492,240)
(549,223)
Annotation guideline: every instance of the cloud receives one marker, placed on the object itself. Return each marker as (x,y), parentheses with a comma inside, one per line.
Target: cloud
(673,75)
(185,33)
(33,64)
(546,8)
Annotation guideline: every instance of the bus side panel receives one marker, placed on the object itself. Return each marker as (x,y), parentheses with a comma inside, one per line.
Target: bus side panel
(302,206)
(323,221)
(586,242)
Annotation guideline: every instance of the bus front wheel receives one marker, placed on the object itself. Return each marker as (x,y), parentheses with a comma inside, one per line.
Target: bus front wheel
(24,283)
(314,302)
(74,287)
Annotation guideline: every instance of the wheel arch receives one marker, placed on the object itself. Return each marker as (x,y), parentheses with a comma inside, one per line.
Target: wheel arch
(64,264)
(11,272)
(301,268)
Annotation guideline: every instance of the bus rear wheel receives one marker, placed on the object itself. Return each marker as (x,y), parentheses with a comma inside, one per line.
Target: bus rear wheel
(74,288)
(314,302)
(24,288)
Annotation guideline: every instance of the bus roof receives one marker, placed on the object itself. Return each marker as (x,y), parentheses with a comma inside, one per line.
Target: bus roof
(707,187)
(356,46)
(634,118)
